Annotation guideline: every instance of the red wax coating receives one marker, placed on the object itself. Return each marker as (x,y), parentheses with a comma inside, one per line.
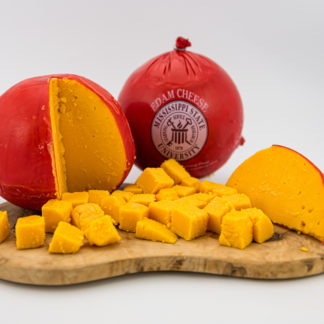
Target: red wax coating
(191,78)
(27,172)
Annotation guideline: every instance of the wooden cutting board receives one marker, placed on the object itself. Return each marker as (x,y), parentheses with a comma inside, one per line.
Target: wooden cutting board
(281,257)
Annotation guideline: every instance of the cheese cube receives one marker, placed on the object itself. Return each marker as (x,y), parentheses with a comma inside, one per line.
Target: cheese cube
(55,211)
(199,200)
(133,188)
(149,229)
(144,199)
(239,201)
(217,188)
(167,194)
(66,239)
(102,231)
(130,214)
(111,206)
(216,209)
(76,198)
(126,195)
(83,214)
(4,226)
(188,222)
(236,230)
(153,179)
(30,232)
(161,211)
(96,196)
(191,182)
(184,191)
(175,170)
(262,225)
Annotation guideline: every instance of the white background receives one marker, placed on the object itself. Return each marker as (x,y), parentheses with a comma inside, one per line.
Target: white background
(274,52)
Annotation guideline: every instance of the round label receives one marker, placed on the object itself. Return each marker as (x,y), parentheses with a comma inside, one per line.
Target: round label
(179,130)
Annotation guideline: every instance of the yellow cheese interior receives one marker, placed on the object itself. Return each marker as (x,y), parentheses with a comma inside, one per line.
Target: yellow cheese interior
(287,187)
(88,147)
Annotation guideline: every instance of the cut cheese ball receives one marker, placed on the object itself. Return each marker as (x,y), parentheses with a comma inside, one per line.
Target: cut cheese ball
(167,194)
(130,214)
(30,232)
(217,188)
(83,214)
(216,209)
(111,206)
(262,225)
(75,138)
(4,226)
(184,191)
(161,211)
(237,230)
(66,239)
(188,222)
(149,229)
(144,199)
(102,231)
(55,211)
(76,198)
(96,196)
(286,187)
(175,170)
(153,179)
(238,201)
(191,182)
(126,195)
(133,188)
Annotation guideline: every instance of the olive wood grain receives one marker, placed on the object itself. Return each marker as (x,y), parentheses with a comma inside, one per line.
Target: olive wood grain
(281,257)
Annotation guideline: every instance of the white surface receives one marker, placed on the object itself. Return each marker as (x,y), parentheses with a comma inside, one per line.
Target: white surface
(274,52)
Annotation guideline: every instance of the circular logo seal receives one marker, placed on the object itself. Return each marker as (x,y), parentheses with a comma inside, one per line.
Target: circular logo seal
(179,130)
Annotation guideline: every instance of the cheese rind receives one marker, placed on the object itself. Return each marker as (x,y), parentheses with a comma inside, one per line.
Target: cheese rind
(149,229)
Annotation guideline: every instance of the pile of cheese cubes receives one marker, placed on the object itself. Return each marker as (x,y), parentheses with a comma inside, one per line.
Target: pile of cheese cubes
(163,204)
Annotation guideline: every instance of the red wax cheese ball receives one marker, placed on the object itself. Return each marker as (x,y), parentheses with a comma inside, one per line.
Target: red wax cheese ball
(182,105)
(61,133)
